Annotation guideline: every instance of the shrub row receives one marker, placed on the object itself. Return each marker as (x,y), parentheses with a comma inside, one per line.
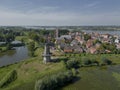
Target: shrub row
(10,77)
(54,81)
(87,62)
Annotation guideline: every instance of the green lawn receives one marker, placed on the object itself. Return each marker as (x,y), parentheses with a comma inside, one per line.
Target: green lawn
(3,48)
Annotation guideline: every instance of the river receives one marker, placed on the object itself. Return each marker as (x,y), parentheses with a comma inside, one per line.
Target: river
(112,32)
(13,56)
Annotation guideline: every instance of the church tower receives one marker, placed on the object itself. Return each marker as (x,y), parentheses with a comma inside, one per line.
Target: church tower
(57,33)
(46,54)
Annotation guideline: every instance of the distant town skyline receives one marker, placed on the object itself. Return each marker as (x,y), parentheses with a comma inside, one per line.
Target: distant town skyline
(59,12)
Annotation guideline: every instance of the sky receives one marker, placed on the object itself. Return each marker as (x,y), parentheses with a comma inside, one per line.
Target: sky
(59,12)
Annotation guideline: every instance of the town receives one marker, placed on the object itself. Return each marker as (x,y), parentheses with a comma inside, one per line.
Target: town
(82,42)
(33,56)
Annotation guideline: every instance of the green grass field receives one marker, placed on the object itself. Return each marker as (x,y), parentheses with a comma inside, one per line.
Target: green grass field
(28,72)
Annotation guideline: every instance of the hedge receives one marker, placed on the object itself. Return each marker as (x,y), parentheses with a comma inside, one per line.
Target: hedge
(10,77)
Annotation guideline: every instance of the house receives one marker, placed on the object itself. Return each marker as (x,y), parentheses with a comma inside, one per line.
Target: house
(74,42)
(106,40)
(68,49)
(68,37)
(115,36)
(73,49)
(97,45)
(105,35)
(107,51)
(59,41)
(89,43)
(78,49)
(79,39)
(61,46)
(93,50)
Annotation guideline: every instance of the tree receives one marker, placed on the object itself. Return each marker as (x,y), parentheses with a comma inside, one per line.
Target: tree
(31,47)
(107,46)
(106,61)
(34,36)
(87,37)
(9,46)
(97,41)
(72,64)
(9,37)
(87,61)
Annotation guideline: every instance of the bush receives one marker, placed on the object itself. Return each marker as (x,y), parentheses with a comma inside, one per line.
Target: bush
(75,72)
(87,62)
(93,61)
(72,64)
(54,81)
(10,77)
(106,61)
(31,48)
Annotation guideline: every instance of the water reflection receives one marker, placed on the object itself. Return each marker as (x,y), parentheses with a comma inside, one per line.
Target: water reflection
(13,56)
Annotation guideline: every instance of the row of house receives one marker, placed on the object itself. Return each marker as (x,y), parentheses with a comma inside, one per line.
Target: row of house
(74,42)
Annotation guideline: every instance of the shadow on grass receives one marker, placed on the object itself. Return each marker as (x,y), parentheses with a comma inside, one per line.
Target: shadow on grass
(59,60)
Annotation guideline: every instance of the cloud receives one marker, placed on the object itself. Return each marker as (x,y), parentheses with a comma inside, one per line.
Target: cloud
(43,9)
(43,16)
(92,4)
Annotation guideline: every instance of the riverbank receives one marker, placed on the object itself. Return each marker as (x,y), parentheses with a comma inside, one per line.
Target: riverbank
(8,52)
